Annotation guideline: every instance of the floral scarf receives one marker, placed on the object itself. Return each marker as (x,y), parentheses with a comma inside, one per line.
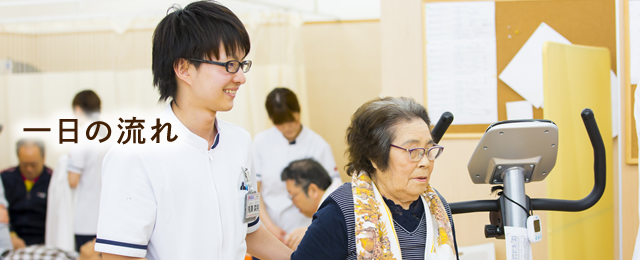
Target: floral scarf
(376,237)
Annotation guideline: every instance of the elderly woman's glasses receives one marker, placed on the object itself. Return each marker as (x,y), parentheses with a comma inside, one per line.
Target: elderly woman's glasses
(232,66)
(416,154)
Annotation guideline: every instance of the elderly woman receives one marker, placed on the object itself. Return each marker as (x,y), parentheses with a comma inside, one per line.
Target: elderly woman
(389,210)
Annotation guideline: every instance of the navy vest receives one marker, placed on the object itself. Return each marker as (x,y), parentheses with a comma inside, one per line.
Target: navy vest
(27,210)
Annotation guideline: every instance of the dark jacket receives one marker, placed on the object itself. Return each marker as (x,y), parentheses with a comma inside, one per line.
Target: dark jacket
(27,211)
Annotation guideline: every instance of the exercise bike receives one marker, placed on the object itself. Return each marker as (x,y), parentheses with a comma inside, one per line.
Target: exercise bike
(510,154)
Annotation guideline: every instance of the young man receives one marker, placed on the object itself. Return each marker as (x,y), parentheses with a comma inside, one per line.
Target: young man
(186,199)
(85,166)
(308,184)
(275,148)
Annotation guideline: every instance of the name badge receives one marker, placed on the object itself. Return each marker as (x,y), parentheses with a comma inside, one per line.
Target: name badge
(251,206)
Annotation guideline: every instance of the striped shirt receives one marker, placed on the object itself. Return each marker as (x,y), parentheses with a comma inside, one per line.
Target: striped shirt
(331,234)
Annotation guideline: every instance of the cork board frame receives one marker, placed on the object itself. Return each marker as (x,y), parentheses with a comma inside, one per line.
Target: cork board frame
(586,22)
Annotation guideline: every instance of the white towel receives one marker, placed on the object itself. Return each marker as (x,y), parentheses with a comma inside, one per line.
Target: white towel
(59,227)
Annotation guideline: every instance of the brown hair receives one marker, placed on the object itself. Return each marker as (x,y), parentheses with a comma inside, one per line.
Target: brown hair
(281,104)
(88,101)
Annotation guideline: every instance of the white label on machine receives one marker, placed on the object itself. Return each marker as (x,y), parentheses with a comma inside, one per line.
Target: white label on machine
(518,245)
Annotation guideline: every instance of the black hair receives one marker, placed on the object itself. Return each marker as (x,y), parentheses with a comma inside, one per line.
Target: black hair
(372,130)
(281,104)
(197,31)
(88,101)
(305,172)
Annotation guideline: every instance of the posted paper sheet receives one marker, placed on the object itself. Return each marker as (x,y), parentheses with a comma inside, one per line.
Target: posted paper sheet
(524,73)
(461,61)
(518,245)
(519,110)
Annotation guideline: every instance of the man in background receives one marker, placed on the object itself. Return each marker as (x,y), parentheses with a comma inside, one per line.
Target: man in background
(308,184)
(26,189)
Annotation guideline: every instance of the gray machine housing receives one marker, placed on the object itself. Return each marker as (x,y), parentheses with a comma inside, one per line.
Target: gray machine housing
(503,147)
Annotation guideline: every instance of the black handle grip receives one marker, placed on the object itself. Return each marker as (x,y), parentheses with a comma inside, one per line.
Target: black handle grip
(474,206)
(599,168)
(441,127)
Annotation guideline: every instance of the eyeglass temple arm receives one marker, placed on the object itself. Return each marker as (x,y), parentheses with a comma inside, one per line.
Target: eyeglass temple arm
(441,127)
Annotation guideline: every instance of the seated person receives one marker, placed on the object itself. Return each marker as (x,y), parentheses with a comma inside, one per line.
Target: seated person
(389,210)
(306,177)
(5,237)
(41,252)
(26,189)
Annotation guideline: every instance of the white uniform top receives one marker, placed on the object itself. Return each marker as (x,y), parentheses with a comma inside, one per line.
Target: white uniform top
(177,200)
(85,158)
(272,154)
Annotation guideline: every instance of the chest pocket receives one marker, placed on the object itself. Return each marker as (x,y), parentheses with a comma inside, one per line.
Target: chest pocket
(37,197)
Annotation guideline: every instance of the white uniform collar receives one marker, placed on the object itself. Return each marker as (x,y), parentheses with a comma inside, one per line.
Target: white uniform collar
(301,136)
(184,134)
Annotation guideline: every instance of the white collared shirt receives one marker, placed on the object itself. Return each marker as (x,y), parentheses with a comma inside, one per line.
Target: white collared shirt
(272,154)
(177,200)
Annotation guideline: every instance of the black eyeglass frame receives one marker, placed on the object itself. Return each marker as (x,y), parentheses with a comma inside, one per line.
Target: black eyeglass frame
(424,151)
(246,65)
(304,189)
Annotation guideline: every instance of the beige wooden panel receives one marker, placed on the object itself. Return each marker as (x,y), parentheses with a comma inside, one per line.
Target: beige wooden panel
(342,72)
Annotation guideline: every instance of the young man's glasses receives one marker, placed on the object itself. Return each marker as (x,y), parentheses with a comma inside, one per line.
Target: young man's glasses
(416,154)
(232,66)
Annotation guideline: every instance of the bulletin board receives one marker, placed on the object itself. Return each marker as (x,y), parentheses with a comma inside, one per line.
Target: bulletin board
(586,22)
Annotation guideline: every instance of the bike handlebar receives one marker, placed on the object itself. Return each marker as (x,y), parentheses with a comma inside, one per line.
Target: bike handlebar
(600,180)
